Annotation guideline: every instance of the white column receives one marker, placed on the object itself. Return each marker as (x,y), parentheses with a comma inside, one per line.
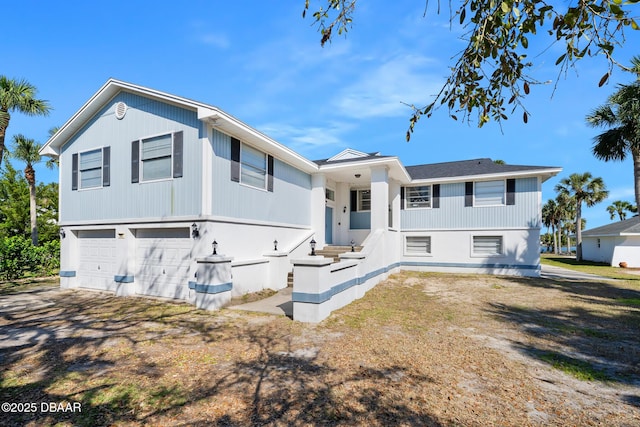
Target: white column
(394,196)
(379,198)
(318,182)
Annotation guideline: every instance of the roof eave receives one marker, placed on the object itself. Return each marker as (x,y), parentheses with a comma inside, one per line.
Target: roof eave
(545,174)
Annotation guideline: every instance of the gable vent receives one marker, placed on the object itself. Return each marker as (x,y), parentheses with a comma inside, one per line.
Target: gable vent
(121,110)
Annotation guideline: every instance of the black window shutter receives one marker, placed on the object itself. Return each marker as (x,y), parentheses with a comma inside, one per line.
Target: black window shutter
(270,173)
(354,200)
(177,154)
(435,201)
(401,198)
(135,161)
(468,193)
(511,191)
(74,172)
(106,166)
(235,160)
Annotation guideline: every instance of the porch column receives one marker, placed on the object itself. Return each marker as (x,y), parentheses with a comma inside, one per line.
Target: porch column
(394,196)
(318,182)
(379,198)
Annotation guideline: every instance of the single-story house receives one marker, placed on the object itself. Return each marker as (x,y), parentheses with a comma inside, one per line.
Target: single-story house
(614,243)
(166,196)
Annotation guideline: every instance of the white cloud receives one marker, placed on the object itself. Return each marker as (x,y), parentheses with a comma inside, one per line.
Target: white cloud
(219,41)
(622,193)
(385,90)
(312,142)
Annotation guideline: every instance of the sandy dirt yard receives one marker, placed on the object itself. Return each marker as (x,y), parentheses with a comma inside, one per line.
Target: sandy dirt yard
(419,349)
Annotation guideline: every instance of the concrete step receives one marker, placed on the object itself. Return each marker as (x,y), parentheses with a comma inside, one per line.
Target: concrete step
(333,251)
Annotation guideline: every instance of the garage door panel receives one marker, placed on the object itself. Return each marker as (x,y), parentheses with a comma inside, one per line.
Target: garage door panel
(96,259)
(163,263)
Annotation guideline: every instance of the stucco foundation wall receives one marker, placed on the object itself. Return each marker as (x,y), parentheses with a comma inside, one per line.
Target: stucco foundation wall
(452,251)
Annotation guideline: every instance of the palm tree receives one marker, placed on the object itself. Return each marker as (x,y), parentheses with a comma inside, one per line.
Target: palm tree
(621,116)
(27,150)
(582,188)
(551,218)
(17,95)
(620,208)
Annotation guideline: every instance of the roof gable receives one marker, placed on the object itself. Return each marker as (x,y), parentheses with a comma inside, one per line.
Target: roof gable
(349,154)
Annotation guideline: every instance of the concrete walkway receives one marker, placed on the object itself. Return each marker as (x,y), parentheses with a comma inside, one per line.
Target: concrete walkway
(279,304)
(552,272)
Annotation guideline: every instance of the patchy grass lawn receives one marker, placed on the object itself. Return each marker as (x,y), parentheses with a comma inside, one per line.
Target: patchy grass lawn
(591,267)
(419,349)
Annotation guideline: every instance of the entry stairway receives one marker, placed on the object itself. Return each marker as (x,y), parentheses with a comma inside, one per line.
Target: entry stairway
(329,251)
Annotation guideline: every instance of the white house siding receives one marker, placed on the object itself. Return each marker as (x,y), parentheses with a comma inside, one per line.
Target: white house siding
(452,213)
(289,203)
(612,250)
(123,199)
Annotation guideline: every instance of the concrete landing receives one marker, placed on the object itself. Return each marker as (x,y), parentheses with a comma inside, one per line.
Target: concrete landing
(279,304)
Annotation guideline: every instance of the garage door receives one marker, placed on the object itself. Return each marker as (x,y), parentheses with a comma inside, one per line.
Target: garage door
(97,259)
(163,257)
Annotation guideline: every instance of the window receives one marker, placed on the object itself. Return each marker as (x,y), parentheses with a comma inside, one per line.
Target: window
(417,245)
(329,194)
(364,200)
(90,169)
(487,245)
(418,197)
(489,193)
(253,167)
(156,158)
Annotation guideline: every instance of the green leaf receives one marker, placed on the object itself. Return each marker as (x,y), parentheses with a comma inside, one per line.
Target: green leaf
(505,7)
(561,58)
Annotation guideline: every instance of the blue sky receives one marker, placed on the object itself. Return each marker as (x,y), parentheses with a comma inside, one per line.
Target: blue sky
(261,62)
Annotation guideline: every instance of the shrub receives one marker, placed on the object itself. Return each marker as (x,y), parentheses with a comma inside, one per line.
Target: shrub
(19,257)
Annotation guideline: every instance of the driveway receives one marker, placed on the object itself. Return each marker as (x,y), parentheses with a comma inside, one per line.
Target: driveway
(552,272)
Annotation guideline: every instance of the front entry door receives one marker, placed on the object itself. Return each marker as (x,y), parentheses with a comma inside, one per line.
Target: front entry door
(328,225)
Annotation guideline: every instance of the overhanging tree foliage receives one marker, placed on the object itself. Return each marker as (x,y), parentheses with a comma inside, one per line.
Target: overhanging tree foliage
(489,78)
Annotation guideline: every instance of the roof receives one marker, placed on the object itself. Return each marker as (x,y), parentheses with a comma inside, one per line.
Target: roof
(208,113)
(367,157)
(476,167)
(628,226)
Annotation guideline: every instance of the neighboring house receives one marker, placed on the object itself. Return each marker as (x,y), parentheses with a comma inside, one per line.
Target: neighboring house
(613,243)
(149,180)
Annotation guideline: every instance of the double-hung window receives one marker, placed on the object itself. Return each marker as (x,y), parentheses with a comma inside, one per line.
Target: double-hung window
(90,169)
(489,193)
(418,197)
(253,167)
(155,156)
(487,245)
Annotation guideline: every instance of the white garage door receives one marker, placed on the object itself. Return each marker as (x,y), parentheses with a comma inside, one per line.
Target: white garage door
(163,257)
(97,259)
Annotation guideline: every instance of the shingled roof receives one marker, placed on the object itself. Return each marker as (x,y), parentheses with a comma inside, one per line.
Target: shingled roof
(483,166)
(628,226)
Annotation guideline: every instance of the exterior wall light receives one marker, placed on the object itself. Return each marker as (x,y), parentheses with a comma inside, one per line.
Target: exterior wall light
(215,247)
(62,233)
(275,245)
(195,231)
(313,247)
(357,175)
(353,246)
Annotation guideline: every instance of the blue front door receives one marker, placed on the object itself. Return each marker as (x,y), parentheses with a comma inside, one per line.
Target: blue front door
(328,225)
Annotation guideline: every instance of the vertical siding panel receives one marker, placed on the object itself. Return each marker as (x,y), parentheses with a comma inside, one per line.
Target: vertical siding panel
(122,199)
(453,214)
